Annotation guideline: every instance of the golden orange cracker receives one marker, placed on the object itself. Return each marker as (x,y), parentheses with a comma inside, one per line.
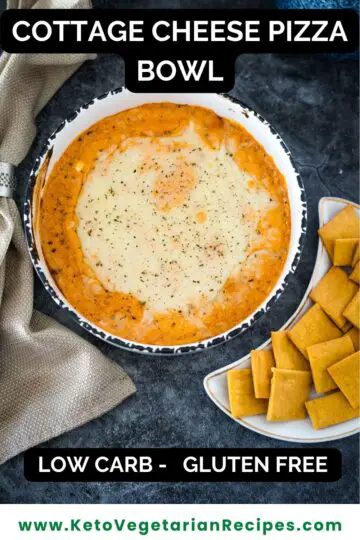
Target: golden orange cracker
(323,355)
(344,251)
(261,364)
(355,274)
(313,327)
(289,391)
(354,334)
(352,310)
(241,394)
(356,256)
(346,327)
(344,225)
(287,356)
(330,410)
(333,292)
(346,374)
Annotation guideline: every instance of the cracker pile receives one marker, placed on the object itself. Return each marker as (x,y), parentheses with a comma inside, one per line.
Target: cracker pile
(321,349)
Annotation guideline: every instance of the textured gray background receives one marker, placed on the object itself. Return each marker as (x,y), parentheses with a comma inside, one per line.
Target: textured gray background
(313,104)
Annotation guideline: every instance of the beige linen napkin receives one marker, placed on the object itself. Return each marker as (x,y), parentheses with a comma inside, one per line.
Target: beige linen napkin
(51,380)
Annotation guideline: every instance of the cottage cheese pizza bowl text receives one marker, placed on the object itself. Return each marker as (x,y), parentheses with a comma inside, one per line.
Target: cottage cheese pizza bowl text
(165,223)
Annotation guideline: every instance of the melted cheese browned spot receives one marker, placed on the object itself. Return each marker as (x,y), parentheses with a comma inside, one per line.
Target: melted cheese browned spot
(165,224)
(138,225)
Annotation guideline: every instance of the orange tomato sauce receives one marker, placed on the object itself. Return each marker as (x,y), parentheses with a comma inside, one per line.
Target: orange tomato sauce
(122,314)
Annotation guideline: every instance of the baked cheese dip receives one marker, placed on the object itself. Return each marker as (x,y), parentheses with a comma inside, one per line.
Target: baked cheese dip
(165,224)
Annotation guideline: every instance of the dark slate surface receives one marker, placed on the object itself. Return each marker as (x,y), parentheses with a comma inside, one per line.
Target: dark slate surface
(313,104)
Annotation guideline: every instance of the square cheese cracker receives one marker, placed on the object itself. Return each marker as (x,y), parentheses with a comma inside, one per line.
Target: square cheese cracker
(313,327)
(333,292)
(289,391)
(352,310)
(344,225)
(261,364)
(287,356)
(346,374)
(346,327)
(344,249)
(355,274)
(354,334)
(323,355)
(330,410)
(356,256)
(241,394)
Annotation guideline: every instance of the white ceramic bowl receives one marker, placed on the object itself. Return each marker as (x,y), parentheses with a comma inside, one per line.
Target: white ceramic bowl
(225,106)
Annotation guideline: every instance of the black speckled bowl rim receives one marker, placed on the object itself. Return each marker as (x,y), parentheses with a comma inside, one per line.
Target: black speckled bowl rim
(132,345)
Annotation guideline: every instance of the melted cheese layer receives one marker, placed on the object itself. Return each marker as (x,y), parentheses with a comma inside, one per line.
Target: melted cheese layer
(150,242)
(164,224)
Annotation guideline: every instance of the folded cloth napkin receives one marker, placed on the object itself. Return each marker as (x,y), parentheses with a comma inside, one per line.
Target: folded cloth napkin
(51,380)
